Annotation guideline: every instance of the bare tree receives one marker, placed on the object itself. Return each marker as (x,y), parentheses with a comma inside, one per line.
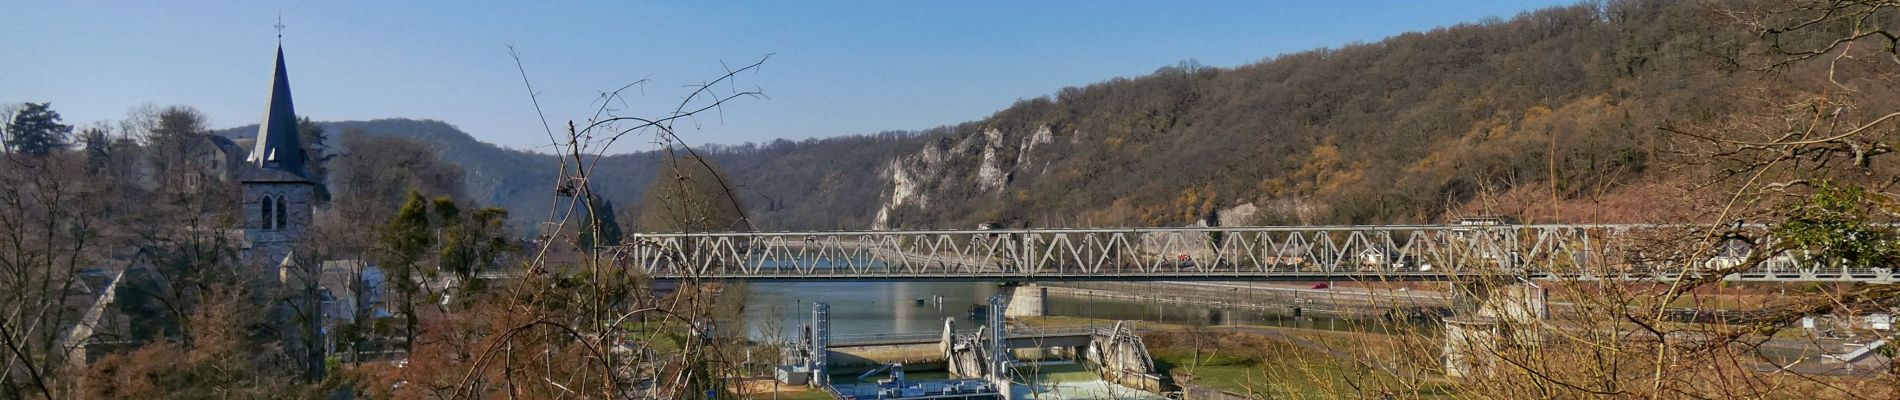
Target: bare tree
(45,240)
(589,327)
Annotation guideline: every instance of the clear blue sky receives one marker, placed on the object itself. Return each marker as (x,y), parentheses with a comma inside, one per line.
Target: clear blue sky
(839,68)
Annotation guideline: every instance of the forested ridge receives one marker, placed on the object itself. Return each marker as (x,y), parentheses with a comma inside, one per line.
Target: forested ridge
(1420,127)
(826,183)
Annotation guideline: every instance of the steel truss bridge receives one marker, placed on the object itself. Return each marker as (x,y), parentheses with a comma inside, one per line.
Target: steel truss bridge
(1316,253)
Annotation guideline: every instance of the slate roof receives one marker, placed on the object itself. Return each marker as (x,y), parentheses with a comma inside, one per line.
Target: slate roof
(277,146)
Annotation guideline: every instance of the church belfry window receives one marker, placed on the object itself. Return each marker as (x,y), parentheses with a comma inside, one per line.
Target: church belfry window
(283,213)
(269,214)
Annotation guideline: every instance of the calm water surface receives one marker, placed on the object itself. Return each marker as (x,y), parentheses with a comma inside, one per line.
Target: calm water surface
(891,307)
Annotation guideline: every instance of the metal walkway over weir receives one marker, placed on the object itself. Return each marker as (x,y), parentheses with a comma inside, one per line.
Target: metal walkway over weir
(1018,337)
(1317,253)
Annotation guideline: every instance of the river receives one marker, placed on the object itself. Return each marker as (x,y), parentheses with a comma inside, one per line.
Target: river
(891,307)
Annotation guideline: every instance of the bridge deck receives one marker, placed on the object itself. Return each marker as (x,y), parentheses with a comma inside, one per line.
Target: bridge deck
(1365,253)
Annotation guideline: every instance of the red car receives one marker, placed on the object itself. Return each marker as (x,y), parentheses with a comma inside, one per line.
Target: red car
(1321,285)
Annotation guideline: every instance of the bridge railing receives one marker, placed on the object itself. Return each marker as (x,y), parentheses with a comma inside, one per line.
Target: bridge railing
(860,339)
(1396,252)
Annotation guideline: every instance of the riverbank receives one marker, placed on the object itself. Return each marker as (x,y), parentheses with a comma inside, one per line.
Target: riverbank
(1252,362)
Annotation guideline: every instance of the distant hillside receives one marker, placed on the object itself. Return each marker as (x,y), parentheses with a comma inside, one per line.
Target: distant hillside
(811,184)
(1561,102)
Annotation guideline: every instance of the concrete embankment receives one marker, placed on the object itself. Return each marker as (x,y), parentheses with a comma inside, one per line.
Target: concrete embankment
(916,357)
(1347,302)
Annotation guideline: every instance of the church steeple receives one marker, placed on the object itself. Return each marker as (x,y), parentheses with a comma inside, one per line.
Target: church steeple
(277,145)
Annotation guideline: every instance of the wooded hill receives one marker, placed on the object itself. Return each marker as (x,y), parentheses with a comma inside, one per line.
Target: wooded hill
(827,183)
(1416,128)
(1563,103)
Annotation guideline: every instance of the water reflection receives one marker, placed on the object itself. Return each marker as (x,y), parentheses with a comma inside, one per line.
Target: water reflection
(862,307)
(892,307)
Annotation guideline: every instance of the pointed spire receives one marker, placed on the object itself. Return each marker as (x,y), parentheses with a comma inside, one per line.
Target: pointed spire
(277,142)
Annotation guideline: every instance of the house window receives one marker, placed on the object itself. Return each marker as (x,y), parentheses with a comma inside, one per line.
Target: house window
(269,215)
(283,213)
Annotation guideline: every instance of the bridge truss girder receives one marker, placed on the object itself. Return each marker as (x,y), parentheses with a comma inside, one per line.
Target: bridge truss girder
(1365,253)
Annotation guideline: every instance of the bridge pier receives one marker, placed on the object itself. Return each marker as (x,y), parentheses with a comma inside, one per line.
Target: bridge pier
(1027,300)
(1494,318)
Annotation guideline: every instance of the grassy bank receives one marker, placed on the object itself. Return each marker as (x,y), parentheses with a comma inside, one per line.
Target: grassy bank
(1298,365)
(1280,362)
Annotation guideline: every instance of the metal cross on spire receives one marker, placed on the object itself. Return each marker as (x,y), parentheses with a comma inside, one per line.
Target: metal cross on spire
(280,27)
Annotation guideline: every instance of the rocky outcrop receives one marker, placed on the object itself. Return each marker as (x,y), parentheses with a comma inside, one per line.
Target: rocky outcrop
(947,164)
(1240,215)
(990,174)
(910,175)
(1043,135)
(904,190)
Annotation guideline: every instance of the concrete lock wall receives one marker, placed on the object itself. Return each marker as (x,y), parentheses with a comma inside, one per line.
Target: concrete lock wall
(1027,301)
(1151,383)
(1468,342)
(1505,318)
(1521,302)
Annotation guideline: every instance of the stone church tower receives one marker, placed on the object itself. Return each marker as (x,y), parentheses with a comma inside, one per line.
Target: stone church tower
(277,203)
(278,196)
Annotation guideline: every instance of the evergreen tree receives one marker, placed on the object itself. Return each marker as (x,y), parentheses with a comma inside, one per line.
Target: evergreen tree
(469,241)
(36,131)
(98,149)
(609,228)
(407,238)
(316,150)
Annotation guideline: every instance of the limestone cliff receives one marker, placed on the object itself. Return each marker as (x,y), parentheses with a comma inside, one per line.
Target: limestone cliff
(969,166)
